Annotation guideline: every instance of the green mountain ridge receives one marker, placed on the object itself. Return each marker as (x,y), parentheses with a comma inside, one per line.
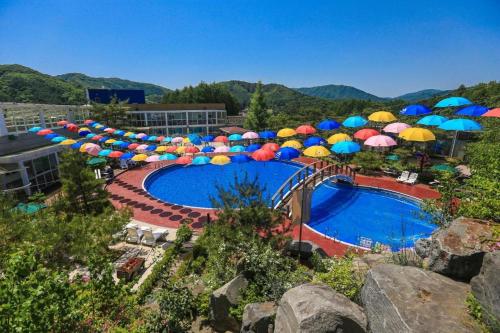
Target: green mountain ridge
(336,92)
(422,94)
(153,92)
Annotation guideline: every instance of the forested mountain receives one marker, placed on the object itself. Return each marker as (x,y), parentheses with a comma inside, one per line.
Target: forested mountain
(153,92)
(422,94)
(25,85)
(335,92)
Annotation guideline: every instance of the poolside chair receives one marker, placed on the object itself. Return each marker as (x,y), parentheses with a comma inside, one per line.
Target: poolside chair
(404,177)
(412,179)
(152,236)
(134,234)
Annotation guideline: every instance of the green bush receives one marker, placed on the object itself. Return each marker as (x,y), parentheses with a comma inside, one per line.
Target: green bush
(159,269)
(341,277)
(368,161)
(183,235)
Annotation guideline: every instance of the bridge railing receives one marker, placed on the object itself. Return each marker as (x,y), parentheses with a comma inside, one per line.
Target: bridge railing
(314,173)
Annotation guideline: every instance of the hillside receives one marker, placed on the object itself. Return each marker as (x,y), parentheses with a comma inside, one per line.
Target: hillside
(335,92)
(25,85)
(422,94)
(153,92)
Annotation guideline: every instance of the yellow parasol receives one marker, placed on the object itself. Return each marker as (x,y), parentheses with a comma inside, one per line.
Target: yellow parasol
(67,142)
(286,132)
(180,149)
(220,160)
(417,134)
(110,141)
(382,117)
(139,157)
(316,151)
(161,149)
(82,148)
(292,143)
(128,134)
(339,137)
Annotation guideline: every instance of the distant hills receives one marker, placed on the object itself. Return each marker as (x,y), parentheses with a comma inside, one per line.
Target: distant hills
(334,92)
(153,92)
(339,92)
(23,84)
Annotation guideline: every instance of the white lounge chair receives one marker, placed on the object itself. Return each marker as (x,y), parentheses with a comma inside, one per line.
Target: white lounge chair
(404,176)
(152,236)
(134,234)
(412,179)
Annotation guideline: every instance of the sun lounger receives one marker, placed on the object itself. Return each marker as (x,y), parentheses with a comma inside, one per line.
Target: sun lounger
(404,176)
(134,234)
(412,179)
(152,236)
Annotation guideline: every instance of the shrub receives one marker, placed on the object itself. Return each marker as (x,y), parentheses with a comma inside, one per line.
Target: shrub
(368,161)
(341,277)
(158,270)
(183,235)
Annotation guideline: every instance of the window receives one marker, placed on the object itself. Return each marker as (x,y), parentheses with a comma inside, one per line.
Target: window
(156,119)
(212,117)
(221,117)
(137,119)
(197,118)
(176,118)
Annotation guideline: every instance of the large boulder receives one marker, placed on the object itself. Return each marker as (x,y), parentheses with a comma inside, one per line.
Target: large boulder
(423,247)
(318,308)
(222,300)
(362,264)
(258,317)
(486,288)
(400,299)
(457,251)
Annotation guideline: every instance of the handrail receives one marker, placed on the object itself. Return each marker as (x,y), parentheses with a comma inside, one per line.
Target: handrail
(290,180)
(324,172)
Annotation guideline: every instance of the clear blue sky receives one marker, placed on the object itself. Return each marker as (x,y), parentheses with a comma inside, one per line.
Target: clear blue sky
(384,47)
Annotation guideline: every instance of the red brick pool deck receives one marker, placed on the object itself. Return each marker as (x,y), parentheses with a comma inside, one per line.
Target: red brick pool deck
(126,191)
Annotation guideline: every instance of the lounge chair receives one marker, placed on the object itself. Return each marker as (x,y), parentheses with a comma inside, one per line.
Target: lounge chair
(152,236)
(134,234)
(412,179)
(404,177)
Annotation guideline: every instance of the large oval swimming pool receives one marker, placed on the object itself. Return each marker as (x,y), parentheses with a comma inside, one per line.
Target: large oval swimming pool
(354,215)
(195,185)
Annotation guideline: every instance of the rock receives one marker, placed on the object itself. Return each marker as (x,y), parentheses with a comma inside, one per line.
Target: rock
(364,263)
(486,288)
(458,250)
(423,247)
(221,301)
(307,249)
(258,317)
(318,308)
(408,299)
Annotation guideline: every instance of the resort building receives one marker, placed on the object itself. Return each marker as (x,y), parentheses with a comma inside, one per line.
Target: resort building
(29,162)
(177,119)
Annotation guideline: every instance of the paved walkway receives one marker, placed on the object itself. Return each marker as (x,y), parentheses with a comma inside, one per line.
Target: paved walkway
(127,191)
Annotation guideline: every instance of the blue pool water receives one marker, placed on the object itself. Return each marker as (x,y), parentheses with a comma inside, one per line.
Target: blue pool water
(194,185)
(348,213)
(340,211)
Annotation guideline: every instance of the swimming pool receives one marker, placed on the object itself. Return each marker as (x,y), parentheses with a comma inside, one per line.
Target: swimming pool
(194,185)
(350,213)
(343,212)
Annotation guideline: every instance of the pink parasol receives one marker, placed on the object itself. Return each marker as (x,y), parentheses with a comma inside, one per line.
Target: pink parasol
(177,139)
(250,135)
(142,147)
(396,128)
(92,149)
(221,149)
(380,141)
(153,158)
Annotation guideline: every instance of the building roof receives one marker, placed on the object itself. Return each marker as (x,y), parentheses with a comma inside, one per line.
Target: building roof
(15,144)
(233,130)
(171,107)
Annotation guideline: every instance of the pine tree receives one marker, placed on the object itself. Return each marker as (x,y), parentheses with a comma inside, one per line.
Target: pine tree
(81,191)
(257,110)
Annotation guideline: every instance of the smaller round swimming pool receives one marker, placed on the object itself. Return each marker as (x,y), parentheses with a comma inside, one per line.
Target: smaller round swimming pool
(195,185)
(358,214)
